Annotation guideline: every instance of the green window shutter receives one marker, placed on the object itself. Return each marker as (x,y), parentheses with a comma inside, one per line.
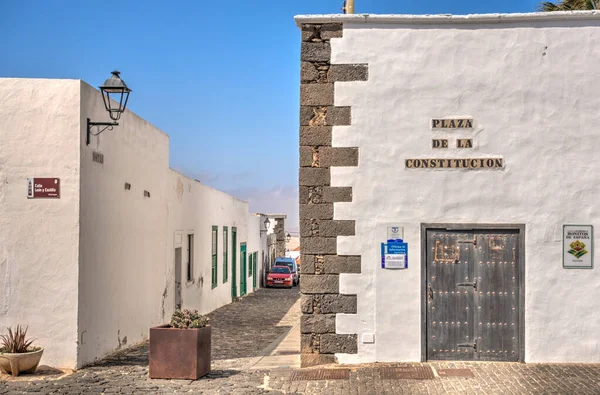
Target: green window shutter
(215,240)
(225,254)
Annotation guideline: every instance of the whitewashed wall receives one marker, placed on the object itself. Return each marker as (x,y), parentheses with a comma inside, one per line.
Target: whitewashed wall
(532,89)
(39,238)
(196,208)
(122,273)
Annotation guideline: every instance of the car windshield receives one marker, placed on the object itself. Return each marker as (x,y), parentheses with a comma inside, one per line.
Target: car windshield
(280,270)
(288,264)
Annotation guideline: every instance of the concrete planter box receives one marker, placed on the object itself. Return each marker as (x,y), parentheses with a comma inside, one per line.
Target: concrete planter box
(15,364)
(179,353)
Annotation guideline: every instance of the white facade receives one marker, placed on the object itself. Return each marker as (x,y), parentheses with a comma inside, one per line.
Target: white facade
(92,271)
(529,82)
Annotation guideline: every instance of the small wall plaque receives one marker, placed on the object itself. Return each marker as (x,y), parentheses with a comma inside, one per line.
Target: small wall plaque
(43,188)
(578,246)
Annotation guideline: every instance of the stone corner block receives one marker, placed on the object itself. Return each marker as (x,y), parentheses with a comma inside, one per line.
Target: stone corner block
(320,284)
(336,264)
(315,52)
(317,323)
(348,72)
(334,304)
(339,116)
(310,176)
(318,245)
(308,264)
(333,343)
(308,360)
(337,194)
(306,304)
(332,30)
(316,211)
(333,228)
(315,135)
(338,156)
(316,94)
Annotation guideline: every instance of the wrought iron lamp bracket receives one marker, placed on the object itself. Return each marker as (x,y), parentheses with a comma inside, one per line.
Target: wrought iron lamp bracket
(98,125)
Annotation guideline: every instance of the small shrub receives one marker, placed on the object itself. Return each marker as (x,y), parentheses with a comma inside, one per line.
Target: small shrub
(187,319)
(16,342)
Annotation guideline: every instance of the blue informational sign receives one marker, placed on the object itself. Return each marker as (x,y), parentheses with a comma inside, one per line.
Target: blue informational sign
(394,254)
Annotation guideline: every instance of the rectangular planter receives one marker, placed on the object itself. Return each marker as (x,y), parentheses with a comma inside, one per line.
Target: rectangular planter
(179,353)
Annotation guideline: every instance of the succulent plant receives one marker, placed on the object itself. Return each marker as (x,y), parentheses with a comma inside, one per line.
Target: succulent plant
(187,319)
(16,341)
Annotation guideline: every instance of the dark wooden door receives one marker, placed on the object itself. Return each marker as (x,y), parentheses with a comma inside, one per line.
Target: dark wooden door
(472,295)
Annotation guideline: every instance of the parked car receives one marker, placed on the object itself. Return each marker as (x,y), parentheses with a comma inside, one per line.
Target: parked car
(280,276)
(291,263)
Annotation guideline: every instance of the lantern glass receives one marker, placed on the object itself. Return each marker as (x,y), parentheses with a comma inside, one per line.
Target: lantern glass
(115,94)
(267,224)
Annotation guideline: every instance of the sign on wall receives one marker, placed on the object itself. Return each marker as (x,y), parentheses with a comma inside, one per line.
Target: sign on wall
(394,253)
(578,246)
(458,125)
(43,188)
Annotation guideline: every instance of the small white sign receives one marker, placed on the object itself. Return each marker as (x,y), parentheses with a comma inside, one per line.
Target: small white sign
(395,261)
(578,246)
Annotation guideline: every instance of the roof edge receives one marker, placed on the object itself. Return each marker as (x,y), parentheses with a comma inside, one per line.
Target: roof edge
(447,18)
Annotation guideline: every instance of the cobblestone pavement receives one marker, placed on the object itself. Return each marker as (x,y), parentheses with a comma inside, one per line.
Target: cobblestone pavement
(245,329)
(240,330)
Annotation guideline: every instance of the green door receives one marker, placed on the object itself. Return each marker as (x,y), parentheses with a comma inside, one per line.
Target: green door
(233,263)
(255,255)
(243,273)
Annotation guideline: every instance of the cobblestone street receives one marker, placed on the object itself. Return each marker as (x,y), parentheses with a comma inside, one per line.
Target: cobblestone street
(244,331)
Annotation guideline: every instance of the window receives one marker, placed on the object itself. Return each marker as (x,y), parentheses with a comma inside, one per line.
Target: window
(225,253)
(190,257)
(215,230)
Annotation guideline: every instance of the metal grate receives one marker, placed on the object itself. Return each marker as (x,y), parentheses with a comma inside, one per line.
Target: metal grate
(410,373)
(321,374)
(455,373)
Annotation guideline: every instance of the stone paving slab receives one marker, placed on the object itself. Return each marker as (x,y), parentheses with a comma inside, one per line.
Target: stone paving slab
(489,378)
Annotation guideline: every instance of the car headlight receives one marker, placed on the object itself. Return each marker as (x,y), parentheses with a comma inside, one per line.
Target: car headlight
(270,278)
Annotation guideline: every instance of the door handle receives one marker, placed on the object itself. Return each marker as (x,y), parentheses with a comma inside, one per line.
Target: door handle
(468,284)
(429,292)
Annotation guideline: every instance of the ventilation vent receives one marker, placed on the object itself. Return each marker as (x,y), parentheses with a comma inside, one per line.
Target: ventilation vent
(97,157)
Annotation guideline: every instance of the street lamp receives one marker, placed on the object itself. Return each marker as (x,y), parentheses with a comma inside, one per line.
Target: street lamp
(288,238)
(267,223)
(115,94)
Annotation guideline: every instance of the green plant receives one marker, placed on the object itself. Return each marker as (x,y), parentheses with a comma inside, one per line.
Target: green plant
(569,5)
(186,319)
(16,341)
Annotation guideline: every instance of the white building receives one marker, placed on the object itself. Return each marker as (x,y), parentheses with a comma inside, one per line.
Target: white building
(474,140)
(128,238)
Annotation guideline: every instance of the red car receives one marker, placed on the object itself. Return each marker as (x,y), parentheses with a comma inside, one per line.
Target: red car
(280,276)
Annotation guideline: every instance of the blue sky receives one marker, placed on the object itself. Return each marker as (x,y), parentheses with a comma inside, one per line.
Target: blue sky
(221,78)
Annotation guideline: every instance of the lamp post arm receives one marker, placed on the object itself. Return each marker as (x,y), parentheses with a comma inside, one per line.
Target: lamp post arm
(90,125)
